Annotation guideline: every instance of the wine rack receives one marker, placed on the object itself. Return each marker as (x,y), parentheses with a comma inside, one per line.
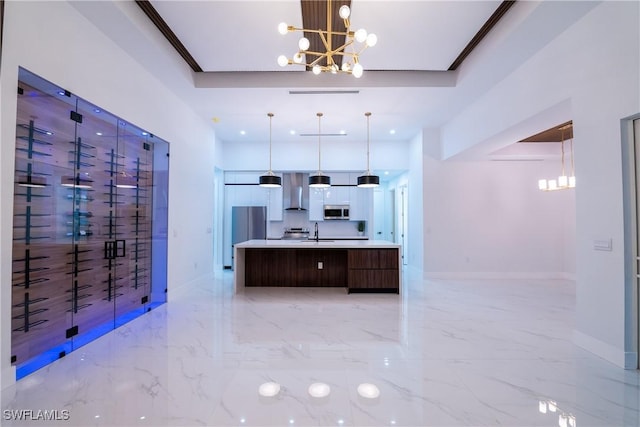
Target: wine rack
(82,259)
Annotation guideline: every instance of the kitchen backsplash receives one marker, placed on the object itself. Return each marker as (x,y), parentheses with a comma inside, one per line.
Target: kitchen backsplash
(336,228)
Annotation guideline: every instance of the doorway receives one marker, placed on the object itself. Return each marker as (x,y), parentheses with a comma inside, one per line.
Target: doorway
(636,252)
(404,221)
(631,204)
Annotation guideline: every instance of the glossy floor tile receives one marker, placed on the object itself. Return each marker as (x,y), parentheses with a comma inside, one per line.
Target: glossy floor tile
(444,353)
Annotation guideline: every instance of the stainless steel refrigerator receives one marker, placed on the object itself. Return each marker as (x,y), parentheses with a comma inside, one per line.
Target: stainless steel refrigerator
(247,223)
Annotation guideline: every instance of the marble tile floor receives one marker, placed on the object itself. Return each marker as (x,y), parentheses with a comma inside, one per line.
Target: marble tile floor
(444,353)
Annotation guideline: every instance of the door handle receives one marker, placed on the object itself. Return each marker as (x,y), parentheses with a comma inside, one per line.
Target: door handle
(120,247)
(115,249)
(109,252)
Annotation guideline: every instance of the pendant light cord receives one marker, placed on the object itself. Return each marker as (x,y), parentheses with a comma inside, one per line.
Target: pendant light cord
(571,146)
(270,119)
(368,116)
(319,134)
(562,148)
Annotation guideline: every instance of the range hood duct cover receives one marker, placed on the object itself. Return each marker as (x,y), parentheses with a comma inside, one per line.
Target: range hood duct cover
(295,181)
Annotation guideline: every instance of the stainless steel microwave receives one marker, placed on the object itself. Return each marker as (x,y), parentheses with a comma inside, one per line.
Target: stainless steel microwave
(336,211)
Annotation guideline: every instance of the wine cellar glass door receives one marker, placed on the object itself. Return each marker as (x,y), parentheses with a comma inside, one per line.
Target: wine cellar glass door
(131,245)
(42,255)
(94,222)
(83,207)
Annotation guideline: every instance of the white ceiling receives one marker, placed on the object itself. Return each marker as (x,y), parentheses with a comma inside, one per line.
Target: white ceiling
(243,36)
(404,85)
(232,36)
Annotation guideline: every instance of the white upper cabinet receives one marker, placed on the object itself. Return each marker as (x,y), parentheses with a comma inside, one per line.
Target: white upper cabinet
(316,204)
(275,206)
(336,195)
(360,203)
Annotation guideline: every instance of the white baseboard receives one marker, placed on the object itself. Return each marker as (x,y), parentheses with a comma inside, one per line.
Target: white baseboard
(615,355)
(485,275)
(8,378)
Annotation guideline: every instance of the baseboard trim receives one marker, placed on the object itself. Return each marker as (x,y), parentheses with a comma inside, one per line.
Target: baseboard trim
(8,377)
(626,360)
(487,275)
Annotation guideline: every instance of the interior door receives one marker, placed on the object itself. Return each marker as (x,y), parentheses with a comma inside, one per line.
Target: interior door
(636,150)
(404,222)
(133,184)
(92,221)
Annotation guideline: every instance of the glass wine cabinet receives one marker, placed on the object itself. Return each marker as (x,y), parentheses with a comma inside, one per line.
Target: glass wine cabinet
(89,223)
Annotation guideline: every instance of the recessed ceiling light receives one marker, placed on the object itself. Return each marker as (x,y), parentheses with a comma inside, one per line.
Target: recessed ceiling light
(61,93)
(243,132)
(292,132)
(99,133)
(343,132)
(144,134)
(392,131)
(386,172)
(97,110)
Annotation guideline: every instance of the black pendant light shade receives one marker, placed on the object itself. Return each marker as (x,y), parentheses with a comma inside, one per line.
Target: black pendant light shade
(367,180)
(319,181)
(270,180)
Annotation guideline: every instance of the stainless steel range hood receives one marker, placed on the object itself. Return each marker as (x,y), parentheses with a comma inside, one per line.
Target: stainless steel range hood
(296,193)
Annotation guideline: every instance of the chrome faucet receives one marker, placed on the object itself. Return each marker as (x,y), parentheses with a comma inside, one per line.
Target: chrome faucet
(315,232)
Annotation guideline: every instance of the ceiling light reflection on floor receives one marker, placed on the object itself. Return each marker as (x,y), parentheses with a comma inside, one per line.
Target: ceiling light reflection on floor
(319,390)
(269,389)
(369,391)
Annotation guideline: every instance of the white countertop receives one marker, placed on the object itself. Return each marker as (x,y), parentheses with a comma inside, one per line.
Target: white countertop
(338,244)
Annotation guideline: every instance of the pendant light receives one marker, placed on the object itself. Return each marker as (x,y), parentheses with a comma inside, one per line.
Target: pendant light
(319,180)
(563,181)
(368,180)
(270,180)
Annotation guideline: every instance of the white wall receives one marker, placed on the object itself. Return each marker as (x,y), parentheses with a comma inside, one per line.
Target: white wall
(488,219)
(596,71)
(336,155)
(53,40)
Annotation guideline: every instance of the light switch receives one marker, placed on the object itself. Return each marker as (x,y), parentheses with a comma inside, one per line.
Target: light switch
(603,244)
(320,266)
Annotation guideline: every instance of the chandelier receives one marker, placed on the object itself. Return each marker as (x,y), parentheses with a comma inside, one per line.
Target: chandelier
(563,182)
(343,58)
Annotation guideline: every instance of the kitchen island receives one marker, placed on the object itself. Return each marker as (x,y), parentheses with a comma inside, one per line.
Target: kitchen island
(356,265)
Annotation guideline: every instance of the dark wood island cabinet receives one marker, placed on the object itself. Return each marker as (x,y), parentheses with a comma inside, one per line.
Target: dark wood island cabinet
(373,270)
(358,266)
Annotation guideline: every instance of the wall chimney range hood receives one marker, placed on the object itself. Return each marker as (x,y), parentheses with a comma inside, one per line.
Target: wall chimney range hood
(295,191)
